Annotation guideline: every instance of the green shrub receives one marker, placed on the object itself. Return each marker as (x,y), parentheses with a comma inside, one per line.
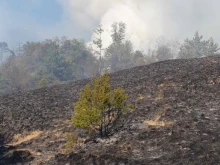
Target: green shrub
(72,141)
(99,107)
(42,83)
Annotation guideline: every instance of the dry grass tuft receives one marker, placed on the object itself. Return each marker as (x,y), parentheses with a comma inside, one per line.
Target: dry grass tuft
(162,88)
(19,138)
(158,123)
(140,97)
(31,151)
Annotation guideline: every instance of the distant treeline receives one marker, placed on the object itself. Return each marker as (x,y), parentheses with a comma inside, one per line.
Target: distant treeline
(54,61)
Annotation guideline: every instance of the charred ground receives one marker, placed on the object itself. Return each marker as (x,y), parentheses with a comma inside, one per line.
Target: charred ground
(176,119)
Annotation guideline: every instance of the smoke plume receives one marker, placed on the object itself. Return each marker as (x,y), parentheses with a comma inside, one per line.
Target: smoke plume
(147,20)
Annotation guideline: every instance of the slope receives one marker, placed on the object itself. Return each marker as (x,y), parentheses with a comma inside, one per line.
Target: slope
(176,120)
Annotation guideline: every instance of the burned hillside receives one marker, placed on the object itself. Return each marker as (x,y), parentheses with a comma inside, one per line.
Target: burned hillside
(176,118)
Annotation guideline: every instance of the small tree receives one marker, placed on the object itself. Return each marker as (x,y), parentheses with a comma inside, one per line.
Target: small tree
(99,107)
(197,47)
(119,54)
(99,43)
(3,50)
(42,83)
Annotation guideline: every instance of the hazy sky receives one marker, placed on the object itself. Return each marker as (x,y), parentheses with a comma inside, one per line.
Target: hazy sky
(25,20)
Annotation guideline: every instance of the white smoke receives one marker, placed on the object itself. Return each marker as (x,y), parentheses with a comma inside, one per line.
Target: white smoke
(147,20)
(142,18)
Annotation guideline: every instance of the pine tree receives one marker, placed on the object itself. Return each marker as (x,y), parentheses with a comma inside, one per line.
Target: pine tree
(197,47)
(99,107)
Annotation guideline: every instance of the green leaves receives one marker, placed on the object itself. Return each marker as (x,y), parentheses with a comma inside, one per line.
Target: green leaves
(99,106)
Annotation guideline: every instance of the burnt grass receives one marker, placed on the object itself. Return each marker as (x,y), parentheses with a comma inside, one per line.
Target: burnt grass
(185,94)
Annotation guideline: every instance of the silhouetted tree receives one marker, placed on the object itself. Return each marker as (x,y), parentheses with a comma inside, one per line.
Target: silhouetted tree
(197,47)
(119,54)
(99,44)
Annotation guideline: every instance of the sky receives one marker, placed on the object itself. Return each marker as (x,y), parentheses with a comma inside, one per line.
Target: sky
(146,20)
(36,20)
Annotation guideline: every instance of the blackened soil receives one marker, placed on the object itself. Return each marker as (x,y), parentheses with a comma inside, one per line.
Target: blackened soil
(176,118)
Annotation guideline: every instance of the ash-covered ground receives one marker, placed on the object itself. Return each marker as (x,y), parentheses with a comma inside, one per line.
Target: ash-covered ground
(176,119)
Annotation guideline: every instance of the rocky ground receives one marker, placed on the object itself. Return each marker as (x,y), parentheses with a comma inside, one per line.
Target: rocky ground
(176,119)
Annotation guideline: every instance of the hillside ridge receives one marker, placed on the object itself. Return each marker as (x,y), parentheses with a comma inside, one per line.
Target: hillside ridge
(176,118)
